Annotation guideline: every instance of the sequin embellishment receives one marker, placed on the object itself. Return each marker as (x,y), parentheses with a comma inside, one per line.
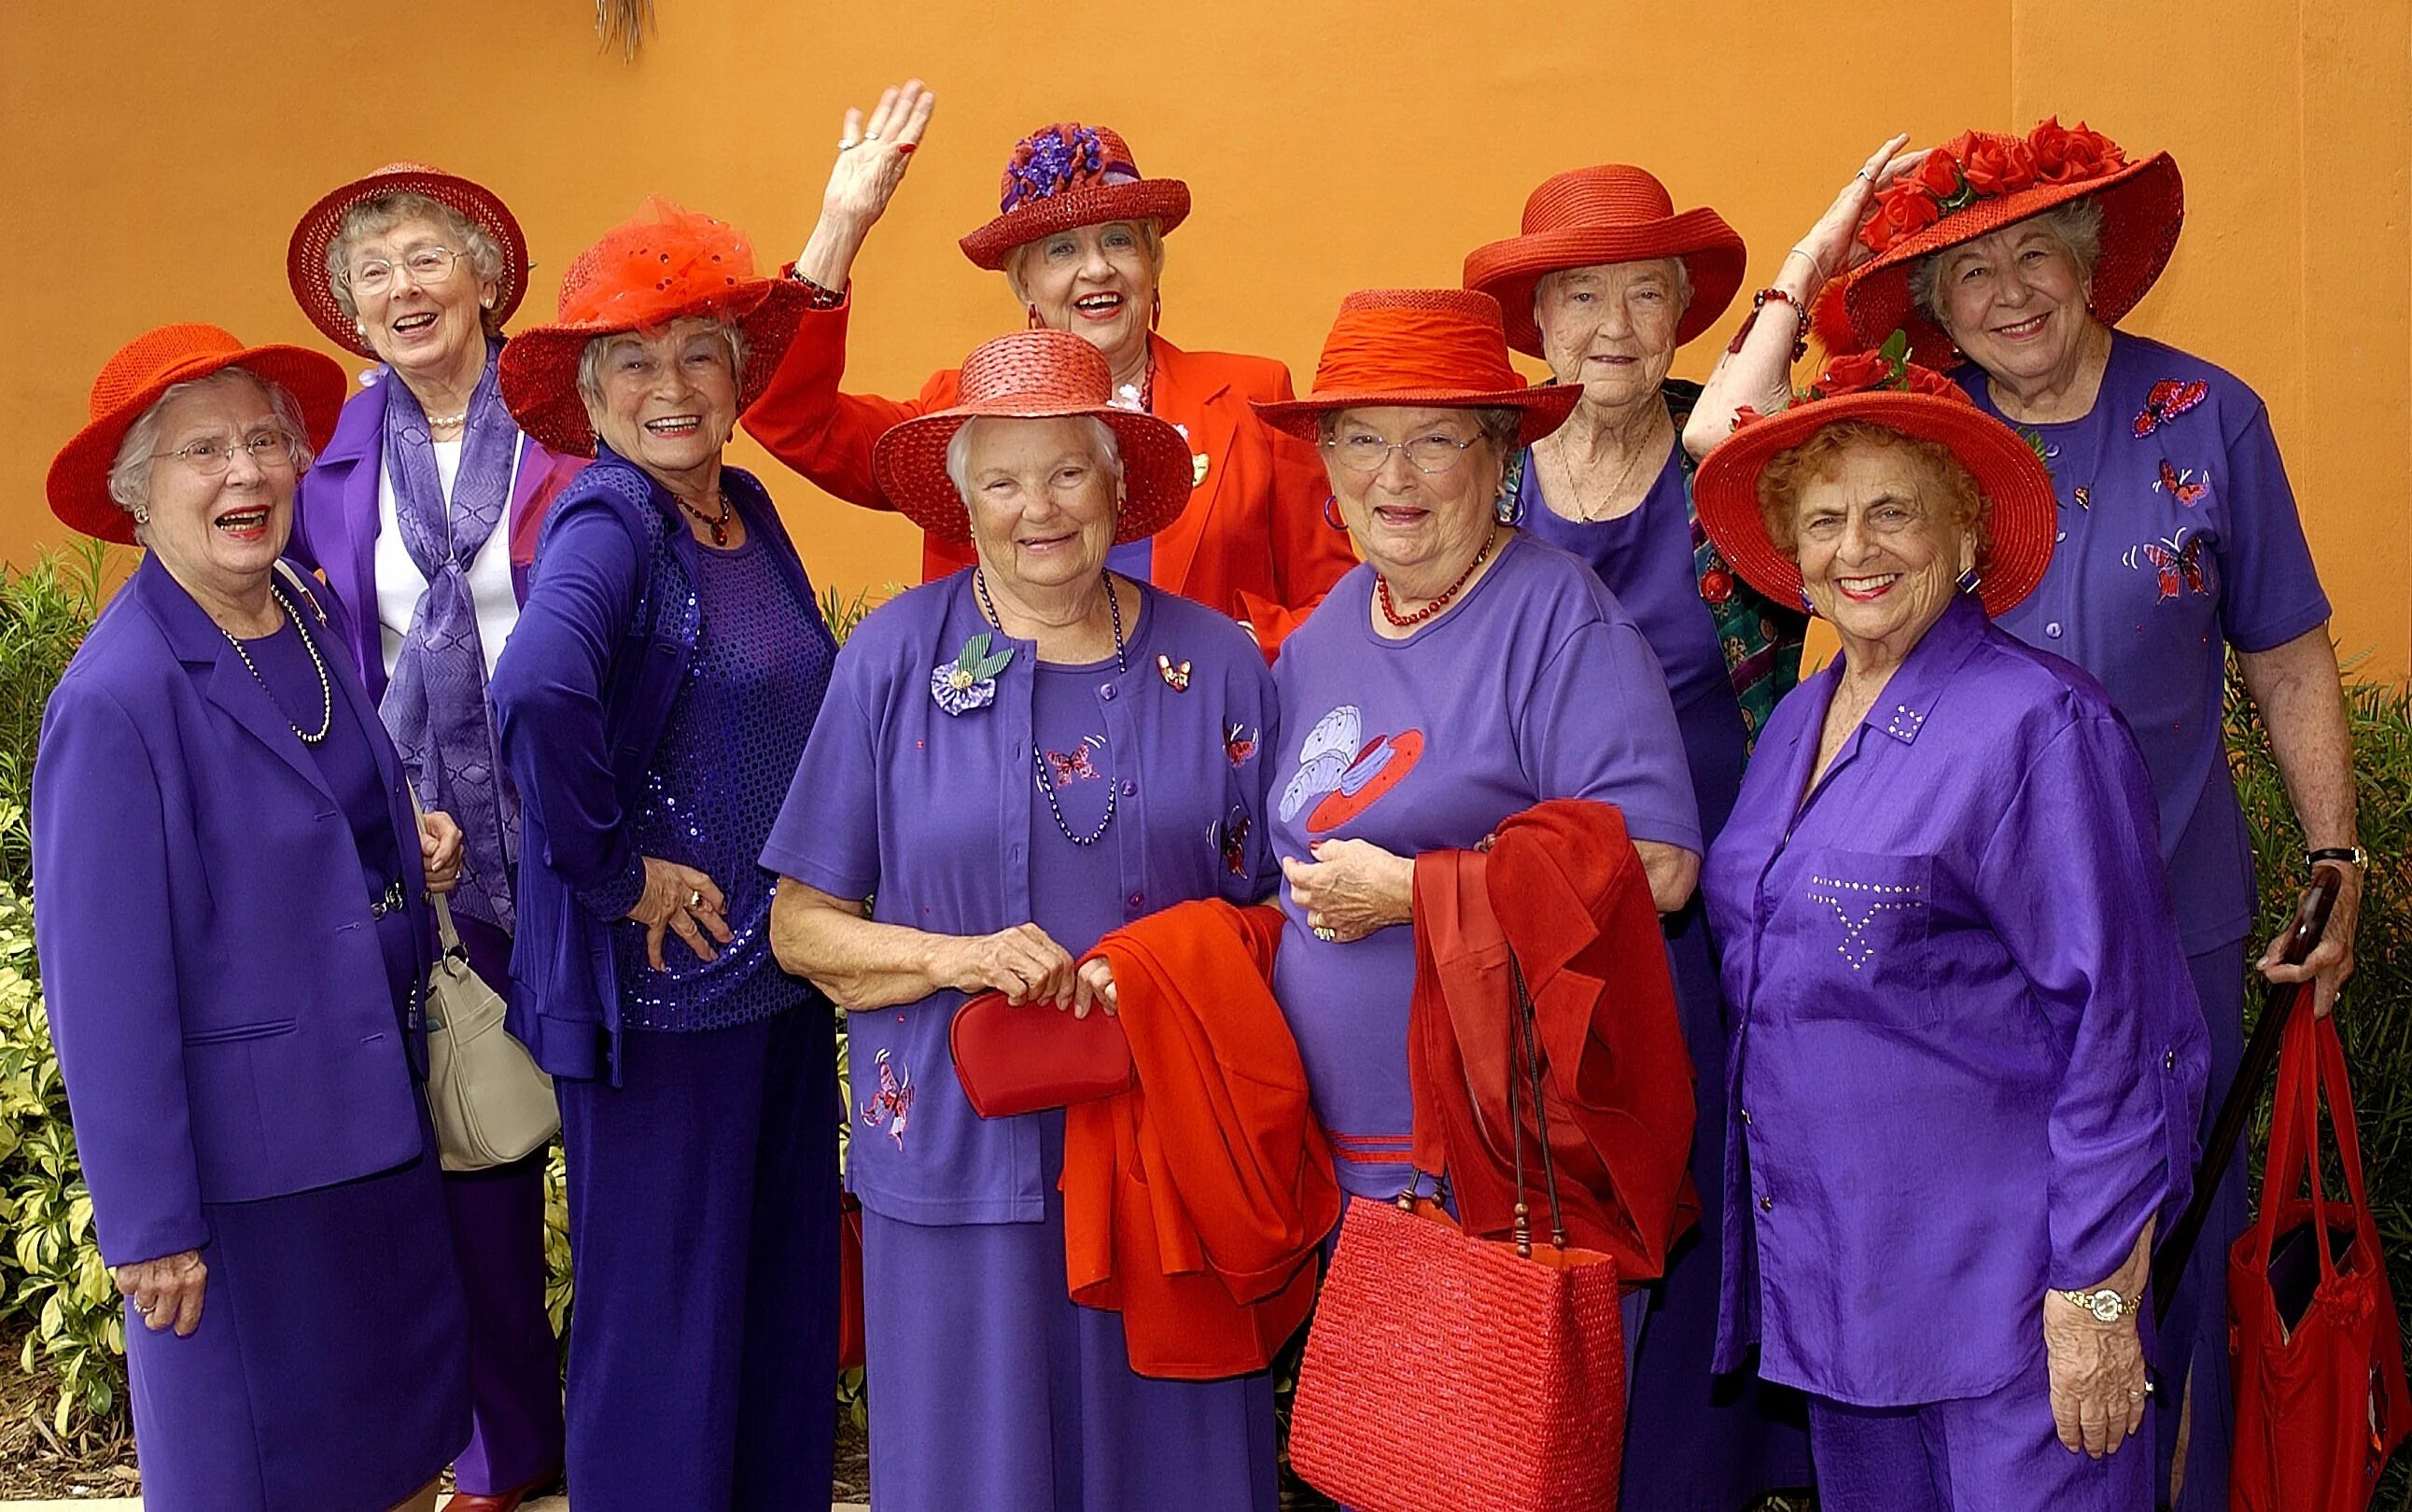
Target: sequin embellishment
(1869,899)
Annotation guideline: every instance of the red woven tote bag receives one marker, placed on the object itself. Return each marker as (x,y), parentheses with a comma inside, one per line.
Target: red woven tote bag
(2319,1356)
(1444,1372)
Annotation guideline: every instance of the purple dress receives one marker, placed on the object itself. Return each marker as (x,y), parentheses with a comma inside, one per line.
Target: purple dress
(1961,941)
(1695,1441)
(995,1392)
(2179,539)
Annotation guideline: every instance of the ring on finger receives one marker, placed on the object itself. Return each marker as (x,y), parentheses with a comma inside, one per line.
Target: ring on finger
(847,146)
(695,897)
(1325,932)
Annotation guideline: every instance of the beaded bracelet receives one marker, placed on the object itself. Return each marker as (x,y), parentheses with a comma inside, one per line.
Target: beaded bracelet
(821,296)
(1800,317)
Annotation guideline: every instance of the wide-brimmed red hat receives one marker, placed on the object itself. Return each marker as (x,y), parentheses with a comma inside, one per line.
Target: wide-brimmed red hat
(664,265)
(1419,348)
(1614,212)
(146,367)
(306,256)
(1981,181)
(1068,175)
(1881,387)
(1033,375)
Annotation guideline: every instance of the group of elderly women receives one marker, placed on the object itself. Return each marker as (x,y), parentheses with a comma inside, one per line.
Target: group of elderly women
(1955,953)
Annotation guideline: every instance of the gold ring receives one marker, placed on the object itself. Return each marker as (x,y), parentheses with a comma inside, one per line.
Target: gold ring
(1323,932)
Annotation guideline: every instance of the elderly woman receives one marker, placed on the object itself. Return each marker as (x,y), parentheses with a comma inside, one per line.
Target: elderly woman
(1604,284)
(206,934)
(1016,760)
(652,704)
(421,513)
(2178,539)
(1945,926)
(1079,238)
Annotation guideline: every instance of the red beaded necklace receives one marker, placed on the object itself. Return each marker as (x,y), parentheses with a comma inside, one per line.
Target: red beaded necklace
(1401,622)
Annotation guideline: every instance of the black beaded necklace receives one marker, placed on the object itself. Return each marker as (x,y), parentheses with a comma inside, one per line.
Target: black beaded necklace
(1039,757)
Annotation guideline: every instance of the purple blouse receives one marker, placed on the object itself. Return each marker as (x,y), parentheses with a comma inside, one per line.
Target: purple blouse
(2178,537)
(1967,1058)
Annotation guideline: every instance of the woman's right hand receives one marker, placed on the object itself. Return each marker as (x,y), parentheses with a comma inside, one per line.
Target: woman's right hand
(1834,243)
(681,900)
(872,158)
(1022,963)
(166,1292)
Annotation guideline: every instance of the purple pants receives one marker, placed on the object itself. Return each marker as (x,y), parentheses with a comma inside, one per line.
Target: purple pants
(2193,1336)
(1996,1453)
(703,1212)
(498,1242)
(991,1391)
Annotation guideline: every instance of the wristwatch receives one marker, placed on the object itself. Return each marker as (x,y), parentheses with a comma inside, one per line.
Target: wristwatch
(2354,856)
(2105,1303)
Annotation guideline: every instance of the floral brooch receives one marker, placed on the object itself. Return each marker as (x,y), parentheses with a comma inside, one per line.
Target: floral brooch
(968,681)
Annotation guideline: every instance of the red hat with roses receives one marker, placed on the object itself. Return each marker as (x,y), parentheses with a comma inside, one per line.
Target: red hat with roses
(1883,388)
(1981,181)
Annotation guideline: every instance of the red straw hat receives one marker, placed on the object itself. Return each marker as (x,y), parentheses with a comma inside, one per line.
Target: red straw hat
(663,265)
(1981,181)
(1883,388)
(1615,212)
(1437,348)
(1033,375)
(306,256)
(1068,175)
(148,366)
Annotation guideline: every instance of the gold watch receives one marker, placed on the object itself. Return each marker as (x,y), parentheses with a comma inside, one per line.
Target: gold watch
(2104,1302)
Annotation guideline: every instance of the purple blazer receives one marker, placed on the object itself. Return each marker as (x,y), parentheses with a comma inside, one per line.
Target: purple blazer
(335,520)
(215,988)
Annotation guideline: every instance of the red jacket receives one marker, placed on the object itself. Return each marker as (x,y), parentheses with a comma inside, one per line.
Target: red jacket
(1254,527)
(1562,887)
(1196,1202)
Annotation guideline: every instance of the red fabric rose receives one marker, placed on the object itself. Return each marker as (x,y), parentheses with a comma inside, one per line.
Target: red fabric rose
(1927,381)
(1939,174)
(1859,370)
(1744,414)
(2072,155)
(1905,208)
(1994,164)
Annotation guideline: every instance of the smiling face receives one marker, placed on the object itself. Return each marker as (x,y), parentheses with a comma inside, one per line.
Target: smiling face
(1406,522)
(667,400)
(1879,549)
(2014,300)
(1098,282)
(220,537)
(1612,327)
(1044,505)
(432,327)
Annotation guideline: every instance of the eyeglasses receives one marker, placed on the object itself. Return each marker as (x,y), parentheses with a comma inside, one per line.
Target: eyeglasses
(269,451)
(1429,455)
(425,265)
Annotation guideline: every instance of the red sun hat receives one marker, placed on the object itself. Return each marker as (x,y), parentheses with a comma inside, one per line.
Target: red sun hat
(148,366)
(665,264)
(1033,375)
(1881,387)
(1981,181)
(1614,212)
(1419,348)
(1067,175)
(305,256)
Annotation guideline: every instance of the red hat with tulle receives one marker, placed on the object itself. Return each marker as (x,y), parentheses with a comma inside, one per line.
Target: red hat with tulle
(305,256)
(1419,348)
(1067,175)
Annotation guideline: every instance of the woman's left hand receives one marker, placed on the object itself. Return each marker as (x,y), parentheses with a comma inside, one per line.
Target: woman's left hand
(439,850)
(1352,887)
(2330,965)
(2097,1371)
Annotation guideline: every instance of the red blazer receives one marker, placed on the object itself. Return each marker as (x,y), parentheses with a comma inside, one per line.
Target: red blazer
(1561,886)
(1196,1202)
(1254,526)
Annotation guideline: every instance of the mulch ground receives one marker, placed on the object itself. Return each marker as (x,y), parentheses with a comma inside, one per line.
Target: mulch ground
(34,1462)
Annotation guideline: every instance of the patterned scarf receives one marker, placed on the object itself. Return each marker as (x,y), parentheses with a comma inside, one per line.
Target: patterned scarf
(435,705)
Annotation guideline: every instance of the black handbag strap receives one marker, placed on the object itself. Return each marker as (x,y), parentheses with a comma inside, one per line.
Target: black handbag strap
(1528,1040)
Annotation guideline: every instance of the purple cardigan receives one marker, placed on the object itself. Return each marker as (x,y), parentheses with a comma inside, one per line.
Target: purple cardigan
(335,520)
(215,988)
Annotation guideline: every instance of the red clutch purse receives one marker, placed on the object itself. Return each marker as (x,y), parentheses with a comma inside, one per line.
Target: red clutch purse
(1024,1060)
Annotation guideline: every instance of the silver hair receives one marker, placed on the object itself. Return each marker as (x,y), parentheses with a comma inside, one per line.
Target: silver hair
(375,217)
(1683,285)
(1104,449)
(129,475)
(2077,225)
(1151,240)
(590,361)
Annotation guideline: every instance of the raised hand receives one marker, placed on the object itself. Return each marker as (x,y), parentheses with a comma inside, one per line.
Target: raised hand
(872,158)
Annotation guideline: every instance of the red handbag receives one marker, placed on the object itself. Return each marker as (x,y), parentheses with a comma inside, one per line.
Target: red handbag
(1020,1060)
(2319,1356)
(1445,1370)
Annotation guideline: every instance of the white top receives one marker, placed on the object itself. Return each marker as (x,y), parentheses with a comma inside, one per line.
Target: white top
(399,584)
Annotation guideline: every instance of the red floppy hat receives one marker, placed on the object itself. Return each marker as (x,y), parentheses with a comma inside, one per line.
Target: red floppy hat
(1981,181)
(1614,212)
(1033,375)
(1880,388)
(1067,175)
(1419,348)
(145,368)
(306,256)
(665,264)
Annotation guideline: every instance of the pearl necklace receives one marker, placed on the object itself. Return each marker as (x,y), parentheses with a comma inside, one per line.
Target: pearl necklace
(446,422)
(1401,622)
(326,689)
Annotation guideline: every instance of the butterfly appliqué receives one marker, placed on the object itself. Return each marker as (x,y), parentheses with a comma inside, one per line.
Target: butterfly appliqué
(2165,400)
(2178,562)
(892,1103)
(2185,487)
(1074,765)
(1230,837)
(1239,744)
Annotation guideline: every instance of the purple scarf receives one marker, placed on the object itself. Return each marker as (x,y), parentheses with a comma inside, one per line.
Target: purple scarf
(434,706)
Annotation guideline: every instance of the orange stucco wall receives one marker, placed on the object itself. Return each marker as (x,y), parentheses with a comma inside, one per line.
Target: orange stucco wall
(155,153)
